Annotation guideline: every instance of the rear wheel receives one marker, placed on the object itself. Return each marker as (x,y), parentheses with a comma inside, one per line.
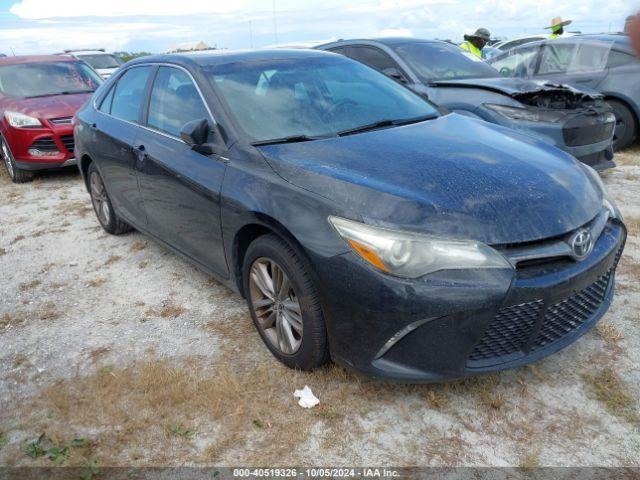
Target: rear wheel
(17,175)
(284,304)
(626,125)
(102,205)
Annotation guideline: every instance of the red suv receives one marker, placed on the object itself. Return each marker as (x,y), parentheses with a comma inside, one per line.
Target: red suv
(38,99)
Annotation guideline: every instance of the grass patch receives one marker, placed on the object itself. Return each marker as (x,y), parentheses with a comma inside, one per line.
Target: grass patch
(3,440)
(180,431)
(610,390)
(609,332)
(2,252)
(44,446)
(167,309)
(25,287)
(19,238)
(112,259)
(96,282)
(138,246)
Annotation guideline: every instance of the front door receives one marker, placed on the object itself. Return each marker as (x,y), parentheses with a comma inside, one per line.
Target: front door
(180,188)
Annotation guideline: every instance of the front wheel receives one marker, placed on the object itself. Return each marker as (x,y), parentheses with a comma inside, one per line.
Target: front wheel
(17,175)
(284,305)
(626,126)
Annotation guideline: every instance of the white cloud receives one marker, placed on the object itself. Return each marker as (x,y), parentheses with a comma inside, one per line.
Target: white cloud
(396,32)
(38,9)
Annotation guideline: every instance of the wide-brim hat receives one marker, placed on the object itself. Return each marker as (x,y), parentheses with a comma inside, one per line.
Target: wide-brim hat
(482,33)
(558,22)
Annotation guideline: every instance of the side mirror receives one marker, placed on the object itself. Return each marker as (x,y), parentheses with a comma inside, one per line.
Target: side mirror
(195,133)
(394,73)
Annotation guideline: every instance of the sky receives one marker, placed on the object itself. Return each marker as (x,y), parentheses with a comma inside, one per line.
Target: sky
(49,26)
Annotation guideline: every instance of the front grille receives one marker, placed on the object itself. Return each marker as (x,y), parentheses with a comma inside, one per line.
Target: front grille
(579,135)
(62,121)
(509,331)
(570,314)
(68,142)
(527,327)
(46,144)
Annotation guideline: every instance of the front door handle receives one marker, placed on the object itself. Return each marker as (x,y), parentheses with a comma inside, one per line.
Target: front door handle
(141,155)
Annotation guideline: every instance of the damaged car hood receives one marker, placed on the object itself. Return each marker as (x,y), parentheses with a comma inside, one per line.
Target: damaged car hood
(452,176)
(518,86)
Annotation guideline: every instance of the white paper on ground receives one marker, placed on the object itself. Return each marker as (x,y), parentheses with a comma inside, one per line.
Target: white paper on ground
(307,398)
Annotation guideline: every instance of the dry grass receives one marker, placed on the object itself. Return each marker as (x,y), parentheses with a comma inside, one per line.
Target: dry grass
(28,286)
(531,459)
(80,208)
(19,238)
(167,309)
(609,332)
(630,157)
(633,226)
(112,259)
(143,264)
(611,391)
(138,246)
(96,282)
(2,252)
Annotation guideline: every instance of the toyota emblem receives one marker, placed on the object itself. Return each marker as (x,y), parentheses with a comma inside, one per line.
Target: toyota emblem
(581,244)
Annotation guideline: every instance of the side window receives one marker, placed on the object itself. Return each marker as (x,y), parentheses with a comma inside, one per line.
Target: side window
(175,101)
(374,57)
(129,94)
(338,50)
(516,63)
(618,59)
(105,106)
(573,58)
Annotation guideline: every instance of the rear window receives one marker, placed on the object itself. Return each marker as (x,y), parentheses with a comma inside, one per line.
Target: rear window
(573,58)
(30,80)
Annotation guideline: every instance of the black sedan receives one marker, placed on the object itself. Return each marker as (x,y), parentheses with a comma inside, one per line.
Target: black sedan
(360,223)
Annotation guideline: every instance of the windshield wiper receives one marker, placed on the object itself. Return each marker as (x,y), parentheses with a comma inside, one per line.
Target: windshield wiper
(385,123)
(66,92)
(290,139)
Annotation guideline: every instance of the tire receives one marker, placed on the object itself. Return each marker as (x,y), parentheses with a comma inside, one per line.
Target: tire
(310,348)
(102,205)
(626,125)
(17,175)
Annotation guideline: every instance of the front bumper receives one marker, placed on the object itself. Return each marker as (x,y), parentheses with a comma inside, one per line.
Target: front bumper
(33,166)
(55,141)
(460,323)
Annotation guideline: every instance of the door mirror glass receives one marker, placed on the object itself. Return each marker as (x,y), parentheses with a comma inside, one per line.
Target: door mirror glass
(195,133)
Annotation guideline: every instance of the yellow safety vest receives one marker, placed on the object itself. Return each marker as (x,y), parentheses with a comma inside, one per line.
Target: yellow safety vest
(470,47)
(555,33)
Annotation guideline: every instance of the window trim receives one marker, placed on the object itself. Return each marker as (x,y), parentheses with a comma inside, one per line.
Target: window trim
(147,96)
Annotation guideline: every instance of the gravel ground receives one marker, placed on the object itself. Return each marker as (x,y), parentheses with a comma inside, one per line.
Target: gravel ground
(118,342)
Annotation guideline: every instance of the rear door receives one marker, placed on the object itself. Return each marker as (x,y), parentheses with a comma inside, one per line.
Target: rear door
(113,135)
(579,63)
(180,187)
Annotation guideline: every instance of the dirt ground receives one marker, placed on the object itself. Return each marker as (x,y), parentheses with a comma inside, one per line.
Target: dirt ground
(122,353)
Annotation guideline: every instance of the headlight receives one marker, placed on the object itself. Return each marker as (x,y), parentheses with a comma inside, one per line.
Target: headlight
(527,114)
(412,255)
(607,200)
(20,120)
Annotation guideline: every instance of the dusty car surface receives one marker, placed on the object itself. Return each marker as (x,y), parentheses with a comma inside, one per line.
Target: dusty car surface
(360,223)
(576,120)
(605,63)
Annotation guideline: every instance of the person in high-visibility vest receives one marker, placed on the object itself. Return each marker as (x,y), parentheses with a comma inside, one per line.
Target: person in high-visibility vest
(476,42)
(557,27)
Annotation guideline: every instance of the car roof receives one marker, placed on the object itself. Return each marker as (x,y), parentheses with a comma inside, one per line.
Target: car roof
(35,59)
(207,58)
(620,41)
(88,52)
(389,41)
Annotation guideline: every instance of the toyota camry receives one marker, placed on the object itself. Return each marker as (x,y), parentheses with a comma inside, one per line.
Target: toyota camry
(360,223)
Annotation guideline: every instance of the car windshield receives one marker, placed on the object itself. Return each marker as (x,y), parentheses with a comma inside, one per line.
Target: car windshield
(439,61)
(28,80)
(314,97)
(101,60)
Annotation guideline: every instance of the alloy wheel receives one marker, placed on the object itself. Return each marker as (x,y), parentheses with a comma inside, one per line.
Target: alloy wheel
(6,155)
(276,305)
(99,199)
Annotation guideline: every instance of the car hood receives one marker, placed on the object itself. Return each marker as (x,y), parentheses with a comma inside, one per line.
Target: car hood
(515,86)
(453,176)
(54,106)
